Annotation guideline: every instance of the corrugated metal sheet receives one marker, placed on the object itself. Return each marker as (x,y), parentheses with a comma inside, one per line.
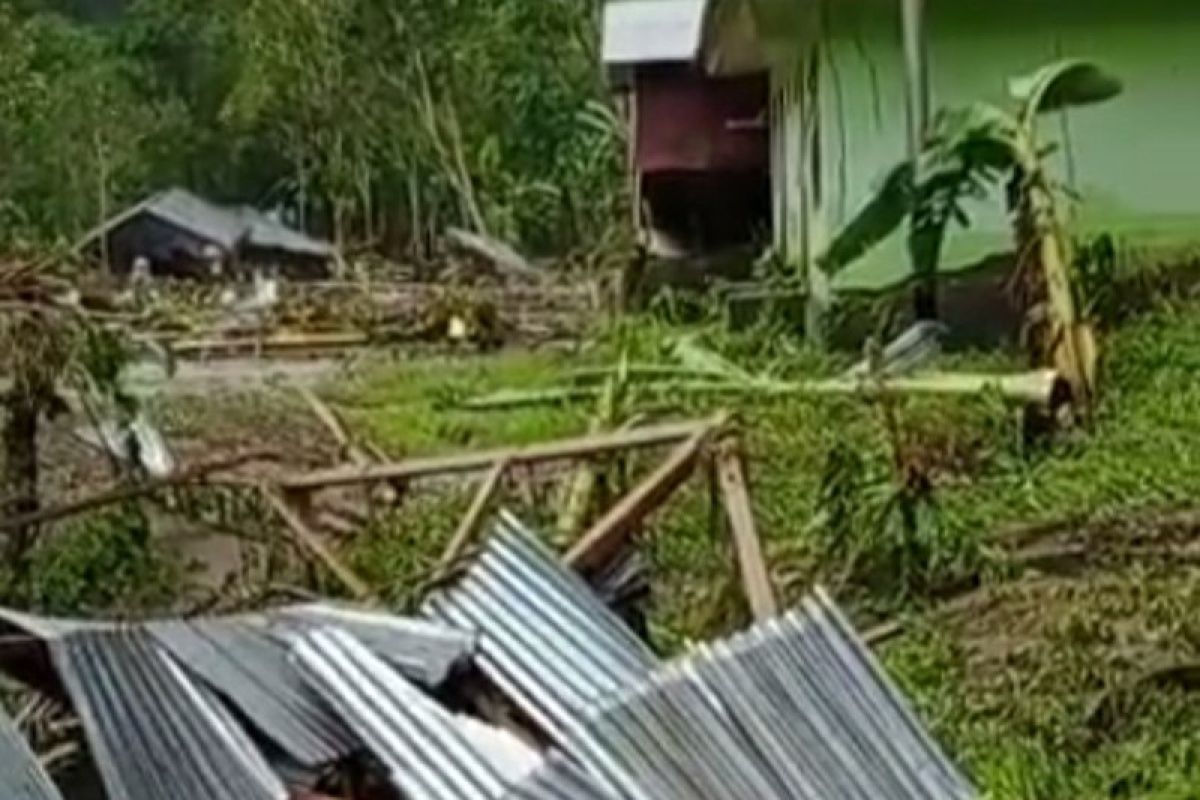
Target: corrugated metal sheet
(249,667)
(558,778)
(269,234)
(21,775)
(430,753)
(154,733)
(185,210)
(796,709)
(653,31)
(544,637)
(423,651)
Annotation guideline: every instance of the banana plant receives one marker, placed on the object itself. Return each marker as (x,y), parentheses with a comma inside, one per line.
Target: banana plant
(969,151)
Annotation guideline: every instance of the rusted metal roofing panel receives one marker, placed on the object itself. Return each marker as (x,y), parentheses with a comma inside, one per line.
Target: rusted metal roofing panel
(154,733)
(653,31)
(545,638)
(795,709)
(21,774)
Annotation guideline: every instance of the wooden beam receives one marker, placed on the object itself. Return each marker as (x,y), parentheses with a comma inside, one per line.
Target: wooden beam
(311,542)
(562,450)
(756,578)
(470,523)
(611,532)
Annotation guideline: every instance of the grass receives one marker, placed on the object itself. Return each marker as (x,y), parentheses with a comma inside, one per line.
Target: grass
(1017,725)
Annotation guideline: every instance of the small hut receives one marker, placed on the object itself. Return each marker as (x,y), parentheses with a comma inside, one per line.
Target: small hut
(178,234)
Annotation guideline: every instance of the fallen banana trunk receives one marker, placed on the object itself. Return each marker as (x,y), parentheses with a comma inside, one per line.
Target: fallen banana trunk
(1044,388)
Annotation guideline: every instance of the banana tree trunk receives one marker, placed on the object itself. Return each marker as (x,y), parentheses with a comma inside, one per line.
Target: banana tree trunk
(1073,347)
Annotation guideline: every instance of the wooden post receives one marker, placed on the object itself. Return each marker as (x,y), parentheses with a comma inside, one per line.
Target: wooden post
(756,578)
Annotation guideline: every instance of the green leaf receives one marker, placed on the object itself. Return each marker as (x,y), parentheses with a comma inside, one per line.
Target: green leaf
(1064,84)
(882,214)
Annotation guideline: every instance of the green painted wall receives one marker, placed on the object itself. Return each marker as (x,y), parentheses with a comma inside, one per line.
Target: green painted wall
(1135,160)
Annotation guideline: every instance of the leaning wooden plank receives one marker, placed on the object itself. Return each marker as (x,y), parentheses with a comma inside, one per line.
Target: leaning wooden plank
(756,578)
(605,539)
(561,450)
(311,542)
(470,523)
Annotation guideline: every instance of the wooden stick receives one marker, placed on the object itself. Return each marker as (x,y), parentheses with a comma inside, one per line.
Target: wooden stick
(756,578)
(124,492)
(611,532)
(469,525)
(311,542)
(333,424)
(562,450)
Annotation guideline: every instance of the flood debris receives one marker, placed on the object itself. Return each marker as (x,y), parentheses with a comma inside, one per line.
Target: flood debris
(284,703)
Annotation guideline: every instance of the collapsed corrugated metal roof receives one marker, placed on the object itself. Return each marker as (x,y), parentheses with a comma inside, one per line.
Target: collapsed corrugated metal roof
(423,651)
(243,661)
(545,638)
(247,666)
(649,31)
(21,774)
(430,753)
(794,709)
(154,733)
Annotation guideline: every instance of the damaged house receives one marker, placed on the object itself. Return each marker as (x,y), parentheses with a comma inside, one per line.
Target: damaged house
(779,118)
(178,234)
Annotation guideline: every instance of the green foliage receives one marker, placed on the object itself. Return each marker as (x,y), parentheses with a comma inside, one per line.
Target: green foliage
(377,122)
(104,566)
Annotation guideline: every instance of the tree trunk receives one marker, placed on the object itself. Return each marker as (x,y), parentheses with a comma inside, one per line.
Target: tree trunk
(19,482)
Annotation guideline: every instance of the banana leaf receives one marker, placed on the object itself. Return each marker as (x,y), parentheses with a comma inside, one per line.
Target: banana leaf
(875,221)
(1063,84)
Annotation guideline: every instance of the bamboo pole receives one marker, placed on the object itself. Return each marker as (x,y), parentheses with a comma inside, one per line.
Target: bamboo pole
(1043,387)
